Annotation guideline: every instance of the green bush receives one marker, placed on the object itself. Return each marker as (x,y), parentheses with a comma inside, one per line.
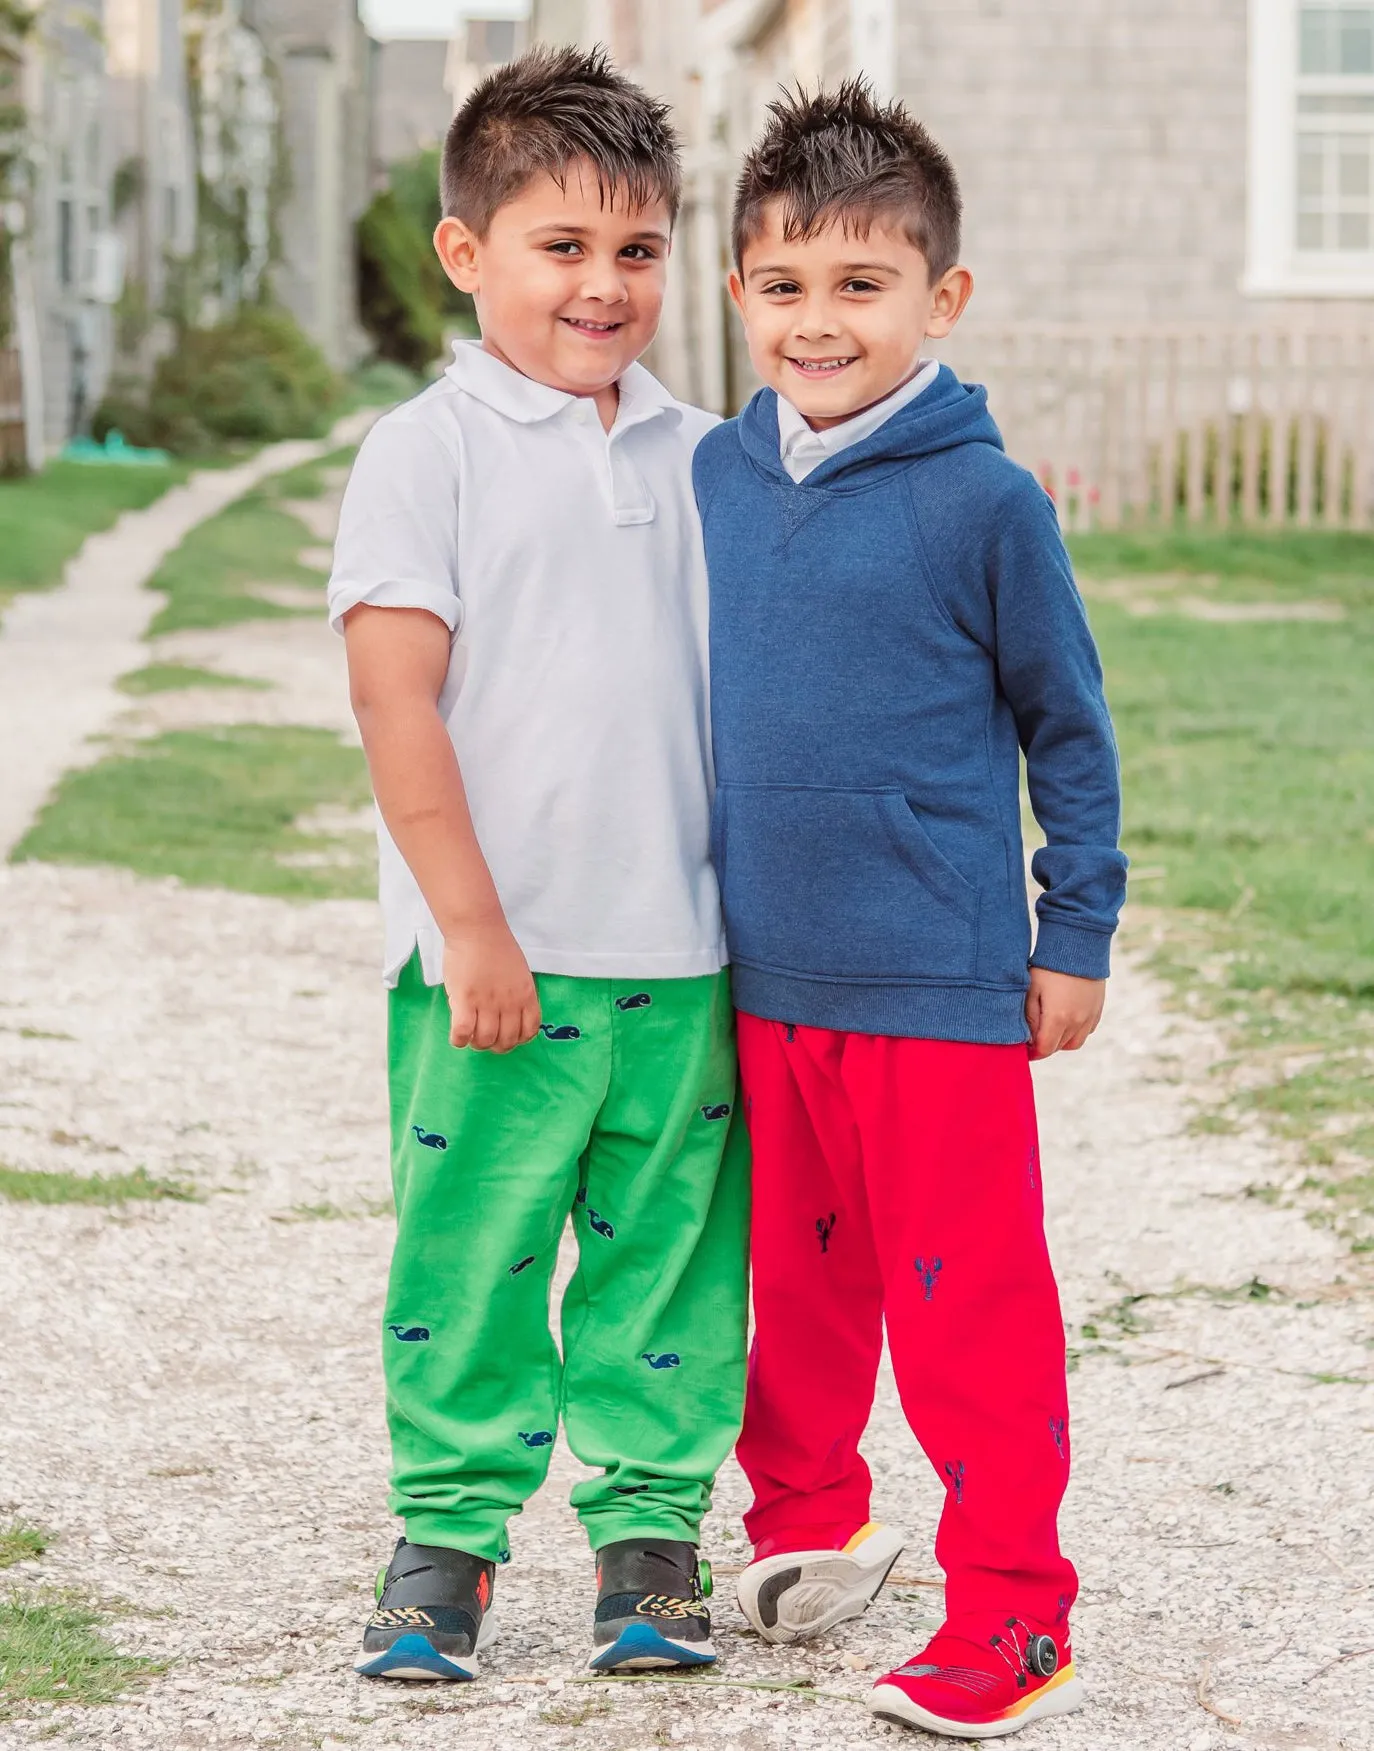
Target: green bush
(400,285)
(254,378)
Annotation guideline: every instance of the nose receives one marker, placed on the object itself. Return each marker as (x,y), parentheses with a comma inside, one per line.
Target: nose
(603,281)
(816,319)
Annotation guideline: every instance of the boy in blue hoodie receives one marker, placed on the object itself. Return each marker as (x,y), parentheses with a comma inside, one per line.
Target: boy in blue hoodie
(894,623)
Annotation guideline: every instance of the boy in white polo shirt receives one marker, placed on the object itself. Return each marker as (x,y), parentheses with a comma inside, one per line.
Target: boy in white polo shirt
(520,581)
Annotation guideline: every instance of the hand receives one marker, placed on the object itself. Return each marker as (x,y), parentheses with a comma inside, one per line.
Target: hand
(491,994)
(1062,1011)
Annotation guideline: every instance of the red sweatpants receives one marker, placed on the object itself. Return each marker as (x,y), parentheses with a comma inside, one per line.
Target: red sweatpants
(900,1179)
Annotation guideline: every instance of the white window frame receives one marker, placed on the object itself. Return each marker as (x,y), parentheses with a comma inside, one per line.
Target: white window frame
(1275,266)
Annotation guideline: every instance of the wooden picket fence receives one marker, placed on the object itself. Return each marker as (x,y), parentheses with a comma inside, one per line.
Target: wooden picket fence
(12,448)
(1255,427)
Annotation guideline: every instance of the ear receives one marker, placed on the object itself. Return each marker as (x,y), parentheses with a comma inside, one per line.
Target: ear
(948,302)
(459,251)
(737,295)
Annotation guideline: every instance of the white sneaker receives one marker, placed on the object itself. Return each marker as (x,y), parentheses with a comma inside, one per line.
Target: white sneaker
(801,1593)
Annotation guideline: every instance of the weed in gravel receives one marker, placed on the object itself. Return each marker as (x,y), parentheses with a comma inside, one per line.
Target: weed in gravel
(176,677)
(21,1186)
(52,1649)
(563,1714)
(326,1212)
(37,1033)
(20,1542)
(216,808)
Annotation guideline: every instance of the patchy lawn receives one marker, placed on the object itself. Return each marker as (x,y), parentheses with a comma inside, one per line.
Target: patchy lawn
(1239,671)
(45,517)
(263,810)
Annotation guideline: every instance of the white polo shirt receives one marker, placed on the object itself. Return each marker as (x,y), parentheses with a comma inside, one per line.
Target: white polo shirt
(568,567)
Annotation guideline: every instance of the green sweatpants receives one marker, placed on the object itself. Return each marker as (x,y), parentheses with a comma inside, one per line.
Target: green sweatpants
(621,1113)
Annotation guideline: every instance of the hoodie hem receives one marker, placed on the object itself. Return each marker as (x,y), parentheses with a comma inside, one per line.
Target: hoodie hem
(921,1012)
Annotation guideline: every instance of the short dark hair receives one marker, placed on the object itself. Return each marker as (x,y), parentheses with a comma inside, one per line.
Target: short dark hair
(843,156)
(544,112)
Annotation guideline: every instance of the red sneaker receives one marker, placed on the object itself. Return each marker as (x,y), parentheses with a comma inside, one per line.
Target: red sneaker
(801,1586)
(972,1682)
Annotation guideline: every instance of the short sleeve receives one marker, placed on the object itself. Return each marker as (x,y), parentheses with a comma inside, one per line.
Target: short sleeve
(397,545)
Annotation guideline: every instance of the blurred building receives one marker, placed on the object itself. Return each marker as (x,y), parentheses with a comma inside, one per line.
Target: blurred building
(482,42)
(151,153)
(412,103)
(1170,214)
(65,260)
(324,71)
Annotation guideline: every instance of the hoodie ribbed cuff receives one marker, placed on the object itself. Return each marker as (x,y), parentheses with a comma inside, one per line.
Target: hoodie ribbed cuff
(1064,948)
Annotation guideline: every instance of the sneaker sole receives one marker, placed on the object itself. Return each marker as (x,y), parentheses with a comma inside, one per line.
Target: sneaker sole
(415,1659)
(1061,1696)
(641,1647)
(802,1593)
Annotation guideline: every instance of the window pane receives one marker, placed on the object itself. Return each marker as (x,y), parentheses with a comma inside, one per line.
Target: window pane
(1309,168)
(1316,38)
(1310,231)
(1354,231)
(1357,39)
(1354,173)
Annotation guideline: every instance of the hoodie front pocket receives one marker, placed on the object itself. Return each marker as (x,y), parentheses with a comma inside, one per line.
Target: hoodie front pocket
(841,884)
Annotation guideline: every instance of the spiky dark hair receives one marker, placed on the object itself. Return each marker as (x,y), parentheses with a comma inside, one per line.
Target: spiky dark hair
(546,111)
(842,156)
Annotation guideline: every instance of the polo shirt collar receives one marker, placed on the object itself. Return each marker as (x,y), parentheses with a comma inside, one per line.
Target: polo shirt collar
(510,392)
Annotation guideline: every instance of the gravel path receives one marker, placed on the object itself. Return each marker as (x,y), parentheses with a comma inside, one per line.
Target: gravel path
(192,1392)
(62,650)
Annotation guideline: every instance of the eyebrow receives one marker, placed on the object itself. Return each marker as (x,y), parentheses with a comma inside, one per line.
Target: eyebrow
(554,229)
(845,267)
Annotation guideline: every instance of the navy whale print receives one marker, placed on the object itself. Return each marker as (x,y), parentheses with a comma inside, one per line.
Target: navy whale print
(430,1139)
(410,1334)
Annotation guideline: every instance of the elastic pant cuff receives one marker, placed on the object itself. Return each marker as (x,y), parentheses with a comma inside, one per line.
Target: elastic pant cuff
(604,1529)
(457,1532)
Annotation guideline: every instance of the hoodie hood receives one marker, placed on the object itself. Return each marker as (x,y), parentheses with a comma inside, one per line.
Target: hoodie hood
(946,415)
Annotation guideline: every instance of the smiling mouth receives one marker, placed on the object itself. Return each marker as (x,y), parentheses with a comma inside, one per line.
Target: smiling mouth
(594,330)
(822,367)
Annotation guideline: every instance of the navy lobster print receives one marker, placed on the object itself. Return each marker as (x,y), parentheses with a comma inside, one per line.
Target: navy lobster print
(929,1274)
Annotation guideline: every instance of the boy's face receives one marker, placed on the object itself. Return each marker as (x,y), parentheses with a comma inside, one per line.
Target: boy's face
(567,290)
(835,322)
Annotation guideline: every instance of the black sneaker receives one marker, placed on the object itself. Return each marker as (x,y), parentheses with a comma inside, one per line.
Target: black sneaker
(431,1617)
(651,1606)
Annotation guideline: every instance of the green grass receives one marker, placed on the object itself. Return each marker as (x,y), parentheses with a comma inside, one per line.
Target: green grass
(52,1649)
(21,1186)
(209,580)
(45,517)
(1248,766)
(216,808)
(20,1542)
(310,480)
(176,677)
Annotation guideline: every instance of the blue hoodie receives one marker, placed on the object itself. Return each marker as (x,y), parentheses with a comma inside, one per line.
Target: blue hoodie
(886,640)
